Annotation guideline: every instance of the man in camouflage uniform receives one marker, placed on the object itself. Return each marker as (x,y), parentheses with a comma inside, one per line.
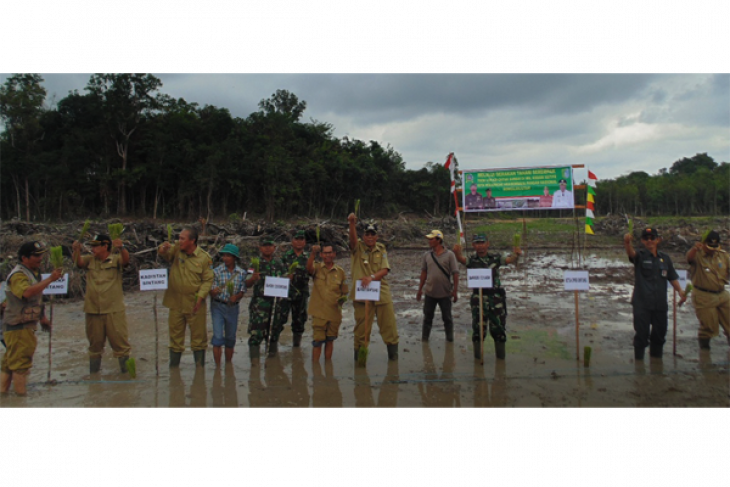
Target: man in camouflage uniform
(298,290)
(494,300)
(261,308)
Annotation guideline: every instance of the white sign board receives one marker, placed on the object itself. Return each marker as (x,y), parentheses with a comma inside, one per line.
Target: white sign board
(152,279)
(479,278)
(682,279)
(56,287)
(276,287)
(575,280)
(370,293)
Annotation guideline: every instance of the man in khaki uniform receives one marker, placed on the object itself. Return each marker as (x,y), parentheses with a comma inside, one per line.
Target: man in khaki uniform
(191,278)
(24,310)
(710,272)
(104,300)
(370,263)
(329,292)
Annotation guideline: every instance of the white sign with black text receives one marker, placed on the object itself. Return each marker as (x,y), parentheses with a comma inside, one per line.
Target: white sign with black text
(479,278)
(56,287)
(276,287)
(370,293)
(576,280)
(152,279)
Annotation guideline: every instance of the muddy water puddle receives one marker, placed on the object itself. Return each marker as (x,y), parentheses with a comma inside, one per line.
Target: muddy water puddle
(540,370)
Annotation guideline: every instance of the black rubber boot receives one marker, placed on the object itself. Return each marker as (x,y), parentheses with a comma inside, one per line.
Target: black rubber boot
(273,348)
(655,350)
(199,356)
(477,350)
(175,358)
(639,353)
(94,364)
(392,352)
(499,349)
(123,364)
(704,343)
(449,329)
(425,332)
(297,339)
(254,351)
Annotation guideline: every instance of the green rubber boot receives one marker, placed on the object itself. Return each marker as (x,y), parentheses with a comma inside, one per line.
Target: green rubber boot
(499,349)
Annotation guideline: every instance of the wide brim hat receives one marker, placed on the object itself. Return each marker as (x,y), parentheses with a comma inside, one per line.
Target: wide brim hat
(231,250)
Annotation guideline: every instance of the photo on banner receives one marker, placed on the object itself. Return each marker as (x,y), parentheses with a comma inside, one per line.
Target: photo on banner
(537,188)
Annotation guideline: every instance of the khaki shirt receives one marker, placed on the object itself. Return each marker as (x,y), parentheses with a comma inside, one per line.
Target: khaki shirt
(366,263)
(329,285)
(191,277)
(103,284)
(710,272)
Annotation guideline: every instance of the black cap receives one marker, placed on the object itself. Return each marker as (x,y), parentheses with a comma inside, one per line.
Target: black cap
(372,227)
(650,232)
(100,239)
(713,239)
(563,181)
(31,248)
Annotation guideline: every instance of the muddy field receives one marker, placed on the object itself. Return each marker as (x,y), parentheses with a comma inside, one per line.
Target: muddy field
(541,369)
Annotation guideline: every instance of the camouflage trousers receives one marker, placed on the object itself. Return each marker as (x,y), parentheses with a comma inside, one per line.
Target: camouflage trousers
(494,309)
(262,315)
(298,308)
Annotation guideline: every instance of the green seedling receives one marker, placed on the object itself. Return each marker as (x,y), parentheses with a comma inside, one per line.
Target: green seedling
(84,230)
(131,367)
(255,261)
(115,230)
(517,240)
(57,257)
(293,267)
(169,233)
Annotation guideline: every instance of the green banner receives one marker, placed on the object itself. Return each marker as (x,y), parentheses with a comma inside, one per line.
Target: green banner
(518,189)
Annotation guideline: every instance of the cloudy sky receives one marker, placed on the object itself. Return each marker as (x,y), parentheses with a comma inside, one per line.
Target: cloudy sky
(612,123)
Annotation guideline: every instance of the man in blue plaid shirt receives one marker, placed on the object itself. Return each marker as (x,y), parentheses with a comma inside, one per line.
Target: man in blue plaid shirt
(229,285)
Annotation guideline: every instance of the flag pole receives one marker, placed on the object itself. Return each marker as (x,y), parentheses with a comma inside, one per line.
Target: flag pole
(452,164)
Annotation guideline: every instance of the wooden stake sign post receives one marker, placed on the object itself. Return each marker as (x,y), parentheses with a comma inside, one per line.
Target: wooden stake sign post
(275,287)
(683,284)
(154,280)
(370,293)
(576,281)
(57,287)
(480,279)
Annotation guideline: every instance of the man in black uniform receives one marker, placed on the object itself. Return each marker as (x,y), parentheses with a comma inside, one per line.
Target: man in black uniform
(652,270)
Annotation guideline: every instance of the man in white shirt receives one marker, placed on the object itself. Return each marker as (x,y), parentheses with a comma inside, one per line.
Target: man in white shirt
(563,198)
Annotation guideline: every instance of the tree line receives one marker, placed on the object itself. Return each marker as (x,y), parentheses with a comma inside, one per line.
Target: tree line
(124,148)
(691,186)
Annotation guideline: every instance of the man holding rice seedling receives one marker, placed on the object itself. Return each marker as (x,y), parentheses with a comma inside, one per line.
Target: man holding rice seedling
(652,270)
(229,286)
(370,263)
(710,273)
(261,308)
(191,278)
(329,292)
(299,288)
(104,299)
(23,312)
(494,299)
(440,277)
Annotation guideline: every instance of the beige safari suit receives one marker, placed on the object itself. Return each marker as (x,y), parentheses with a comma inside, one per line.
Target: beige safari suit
(324,306)
(191,277)
(104,305)
(711,308)
(366,263)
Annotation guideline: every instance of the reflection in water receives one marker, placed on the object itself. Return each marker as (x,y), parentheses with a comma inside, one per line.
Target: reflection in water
(498,397)
(438,391)
(177,389)
(275,390)
(223,391)
(388,396)
(198,390)
(325,387)
(300,387)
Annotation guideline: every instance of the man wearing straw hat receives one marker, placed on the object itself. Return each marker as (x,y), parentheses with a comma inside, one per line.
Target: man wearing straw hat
(229,286)
(104,299)
(440,277)
(22,314)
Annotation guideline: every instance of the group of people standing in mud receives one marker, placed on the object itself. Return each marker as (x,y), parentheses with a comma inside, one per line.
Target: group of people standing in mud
(193,279)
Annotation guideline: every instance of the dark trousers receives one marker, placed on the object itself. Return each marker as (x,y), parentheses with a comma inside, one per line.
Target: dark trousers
(650,327)
(429,308)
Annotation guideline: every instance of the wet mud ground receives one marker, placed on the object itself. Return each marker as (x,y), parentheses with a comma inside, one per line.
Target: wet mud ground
(540,370)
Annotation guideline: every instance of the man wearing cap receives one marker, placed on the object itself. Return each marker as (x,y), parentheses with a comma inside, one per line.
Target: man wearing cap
(710,273)
(473,200)
(494,299)
(23,312)
(440,277)
(563,198)
(191,278)
(652,270)
(261,308)
(370,263)
(298,289)
(229,286)
(329,292)
(104,299)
